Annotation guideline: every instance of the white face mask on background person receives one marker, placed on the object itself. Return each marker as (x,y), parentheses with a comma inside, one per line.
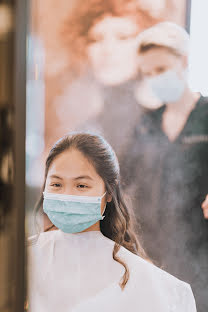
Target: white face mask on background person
(145,96)
(168,86)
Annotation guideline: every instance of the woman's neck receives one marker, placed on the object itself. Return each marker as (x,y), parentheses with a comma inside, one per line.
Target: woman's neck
(94,227)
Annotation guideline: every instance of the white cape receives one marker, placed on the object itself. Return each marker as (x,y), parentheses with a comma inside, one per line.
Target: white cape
(76,272)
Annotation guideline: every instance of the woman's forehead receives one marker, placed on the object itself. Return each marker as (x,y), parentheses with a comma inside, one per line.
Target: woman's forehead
(72,163)
(114,24)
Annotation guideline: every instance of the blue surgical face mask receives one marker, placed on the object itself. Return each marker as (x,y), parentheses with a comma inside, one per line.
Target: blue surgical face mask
(70,213)
(168,87)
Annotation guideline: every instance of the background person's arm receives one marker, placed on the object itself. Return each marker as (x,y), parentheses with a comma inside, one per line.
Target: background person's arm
(205,207)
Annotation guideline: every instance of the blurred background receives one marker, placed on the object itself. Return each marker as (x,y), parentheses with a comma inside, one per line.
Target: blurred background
(82,71)
(71,66)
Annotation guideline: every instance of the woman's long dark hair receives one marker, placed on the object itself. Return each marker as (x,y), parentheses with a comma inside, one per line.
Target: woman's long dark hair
(117,224)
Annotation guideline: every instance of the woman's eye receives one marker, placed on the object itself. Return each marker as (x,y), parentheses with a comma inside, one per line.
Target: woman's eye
(123,37)
(126,36)
(56,185)
(82,186)
(95,39)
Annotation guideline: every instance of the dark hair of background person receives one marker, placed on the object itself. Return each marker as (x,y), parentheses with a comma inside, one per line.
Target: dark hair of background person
(118,222)
(147,47)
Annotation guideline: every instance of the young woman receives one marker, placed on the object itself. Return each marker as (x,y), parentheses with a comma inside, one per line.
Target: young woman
(88,257)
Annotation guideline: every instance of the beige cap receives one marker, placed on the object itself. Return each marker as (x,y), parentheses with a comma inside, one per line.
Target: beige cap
(165,34)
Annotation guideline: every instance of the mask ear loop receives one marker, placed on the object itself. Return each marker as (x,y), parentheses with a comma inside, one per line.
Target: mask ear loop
(105,205)
(103,195)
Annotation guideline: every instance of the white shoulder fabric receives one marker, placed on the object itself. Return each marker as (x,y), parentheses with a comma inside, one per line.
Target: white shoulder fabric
(77,273)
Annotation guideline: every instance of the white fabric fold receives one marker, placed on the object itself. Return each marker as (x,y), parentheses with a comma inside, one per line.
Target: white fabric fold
(76,272)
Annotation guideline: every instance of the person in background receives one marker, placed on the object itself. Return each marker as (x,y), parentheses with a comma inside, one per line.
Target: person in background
(167,169)
(88,257)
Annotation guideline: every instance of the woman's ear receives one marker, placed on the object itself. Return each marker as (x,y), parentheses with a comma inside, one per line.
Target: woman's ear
(109,198)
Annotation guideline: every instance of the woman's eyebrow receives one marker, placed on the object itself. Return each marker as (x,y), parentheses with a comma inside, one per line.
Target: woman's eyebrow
(55,176)
(83,177)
